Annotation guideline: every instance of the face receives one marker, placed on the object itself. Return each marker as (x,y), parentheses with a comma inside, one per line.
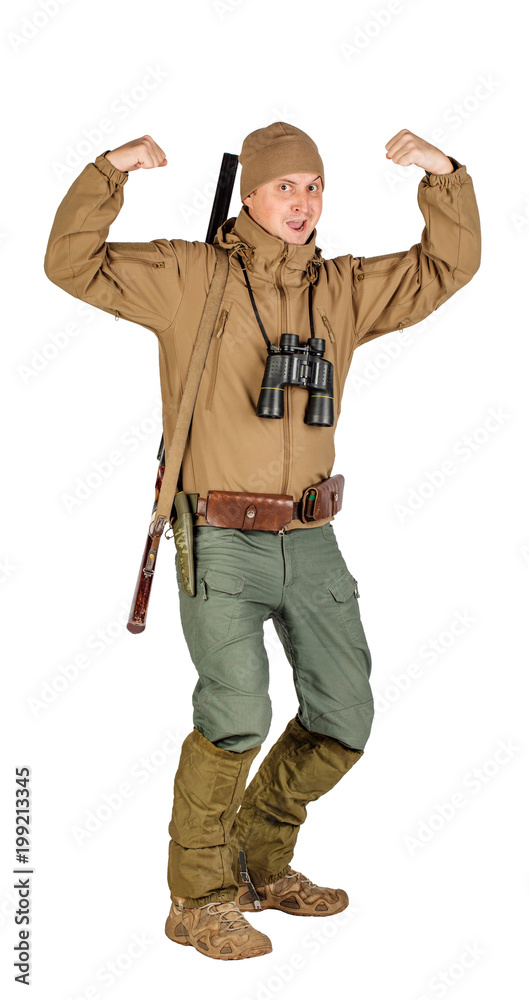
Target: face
(288,207)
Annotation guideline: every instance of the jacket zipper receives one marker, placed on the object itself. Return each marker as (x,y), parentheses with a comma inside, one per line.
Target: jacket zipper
(137,260)
(286,418)
(328,325)
(148,263)
(213,381)
(332,339)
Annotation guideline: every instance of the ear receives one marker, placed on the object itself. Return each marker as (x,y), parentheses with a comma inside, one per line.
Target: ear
(247,201)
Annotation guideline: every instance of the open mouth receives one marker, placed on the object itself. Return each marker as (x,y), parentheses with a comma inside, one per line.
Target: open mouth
(298,227)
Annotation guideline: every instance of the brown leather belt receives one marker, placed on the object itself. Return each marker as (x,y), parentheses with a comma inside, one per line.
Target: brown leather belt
(269,511)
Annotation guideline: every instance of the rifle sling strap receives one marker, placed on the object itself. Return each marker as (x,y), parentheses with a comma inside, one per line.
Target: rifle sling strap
(175,455)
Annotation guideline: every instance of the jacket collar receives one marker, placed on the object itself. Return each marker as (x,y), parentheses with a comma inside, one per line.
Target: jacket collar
(262,252)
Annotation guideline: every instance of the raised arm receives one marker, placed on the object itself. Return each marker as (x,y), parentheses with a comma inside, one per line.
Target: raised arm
(136,281)
(399,289)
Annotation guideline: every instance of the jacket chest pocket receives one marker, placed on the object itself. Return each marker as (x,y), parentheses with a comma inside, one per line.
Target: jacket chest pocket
(331,354)
(214,349)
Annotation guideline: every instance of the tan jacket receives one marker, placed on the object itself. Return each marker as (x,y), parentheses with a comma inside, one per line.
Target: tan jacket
(162,285)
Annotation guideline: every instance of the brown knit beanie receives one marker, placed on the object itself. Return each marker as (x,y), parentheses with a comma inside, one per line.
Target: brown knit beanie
(274,151)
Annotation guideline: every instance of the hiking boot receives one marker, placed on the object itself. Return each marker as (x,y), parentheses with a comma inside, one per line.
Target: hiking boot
(294,893)
(217,930)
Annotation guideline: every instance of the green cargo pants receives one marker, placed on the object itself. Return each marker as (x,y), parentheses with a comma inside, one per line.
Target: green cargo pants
(301,582)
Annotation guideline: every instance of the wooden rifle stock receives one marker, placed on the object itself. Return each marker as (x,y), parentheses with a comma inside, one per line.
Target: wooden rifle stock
(140,601)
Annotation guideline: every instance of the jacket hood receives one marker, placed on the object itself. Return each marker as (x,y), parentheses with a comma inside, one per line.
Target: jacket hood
(262,252)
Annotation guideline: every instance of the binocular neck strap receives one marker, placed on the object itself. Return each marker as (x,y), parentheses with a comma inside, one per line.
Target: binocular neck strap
(257,316)
(311,314)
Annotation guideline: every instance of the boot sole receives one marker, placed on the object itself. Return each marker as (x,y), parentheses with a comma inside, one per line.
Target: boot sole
(293,913)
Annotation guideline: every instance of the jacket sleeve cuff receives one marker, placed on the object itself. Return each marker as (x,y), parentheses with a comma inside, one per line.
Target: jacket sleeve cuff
(454,179)
(109,170)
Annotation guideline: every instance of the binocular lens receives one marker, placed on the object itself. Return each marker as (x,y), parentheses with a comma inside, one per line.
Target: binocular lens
(320,411)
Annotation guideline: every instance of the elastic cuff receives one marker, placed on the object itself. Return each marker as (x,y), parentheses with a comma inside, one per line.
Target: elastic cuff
(275,878)
(109,170)
(454,179)
(219,896)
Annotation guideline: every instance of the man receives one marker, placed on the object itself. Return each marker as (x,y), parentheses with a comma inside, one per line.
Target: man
(247,573)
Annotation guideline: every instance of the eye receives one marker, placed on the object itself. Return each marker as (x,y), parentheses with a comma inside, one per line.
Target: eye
(314,187)
(284,187)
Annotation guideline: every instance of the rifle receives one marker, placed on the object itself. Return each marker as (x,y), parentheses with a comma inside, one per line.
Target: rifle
(140,600)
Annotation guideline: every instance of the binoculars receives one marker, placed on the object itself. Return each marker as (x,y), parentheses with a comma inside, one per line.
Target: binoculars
(290,364)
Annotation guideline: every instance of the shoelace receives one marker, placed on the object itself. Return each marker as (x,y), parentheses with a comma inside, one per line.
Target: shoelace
(223,914)
(302,878)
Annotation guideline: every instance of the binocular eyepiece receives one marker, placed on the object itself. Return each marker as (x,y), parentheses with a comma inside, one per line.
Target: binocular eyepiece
(290,364)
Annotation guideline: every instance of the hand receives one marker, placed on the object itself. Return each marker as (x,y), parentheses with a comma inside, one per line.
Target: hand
(138,153)
(406,148)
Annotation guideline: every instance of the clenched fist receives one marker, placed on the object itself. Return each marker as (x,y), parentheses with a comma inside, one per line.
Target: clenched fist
(406,148)
(136,154)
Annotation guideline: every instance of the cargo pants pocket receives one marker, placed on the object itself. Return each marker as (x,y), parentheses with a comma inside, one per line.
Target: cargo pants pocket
(217,602)
(344,592)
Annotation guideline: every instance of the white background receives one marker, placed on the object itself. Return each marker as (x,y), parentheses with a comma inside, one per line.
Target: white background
(453,904)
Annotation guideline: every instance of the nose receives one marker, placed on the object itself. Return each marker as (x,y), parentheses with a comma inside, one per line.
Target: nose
(300,203)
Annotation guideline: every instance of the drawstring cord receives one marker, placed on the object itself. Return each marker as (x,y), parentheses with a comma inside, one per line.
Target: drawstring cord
(243,248)
(312,265)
